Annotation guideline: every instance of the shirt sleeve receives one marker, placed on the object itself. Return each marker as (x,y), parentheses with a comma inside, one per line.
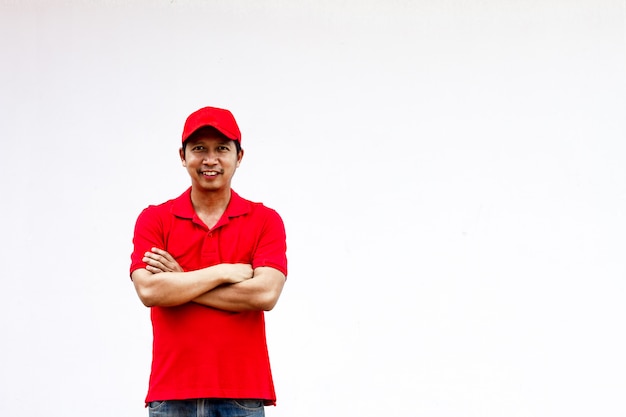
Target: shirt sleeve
(148,234)
(272,248)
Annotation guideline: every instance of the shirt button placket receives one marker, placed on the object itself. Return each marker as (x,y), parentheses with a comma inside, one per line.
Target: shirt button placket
(209,250)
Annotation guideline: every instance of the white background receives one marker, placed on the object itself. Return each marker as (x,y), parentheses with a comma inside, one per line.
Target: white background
(452,175)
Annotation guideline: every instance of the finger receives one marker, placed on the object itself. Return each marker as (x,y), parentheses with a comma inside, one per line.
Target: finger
(164,262)
(163,253)
(154,263)
(167,259)
(153,269)
(161,259)
(155,256)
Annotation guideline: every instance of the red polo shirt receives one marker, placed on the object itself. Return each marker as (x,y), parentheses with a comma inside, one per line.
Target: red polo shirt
(198,351)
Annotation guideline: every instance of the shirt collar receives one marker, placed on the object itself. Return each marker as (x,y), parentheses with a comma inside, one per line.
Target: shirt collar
(183,208)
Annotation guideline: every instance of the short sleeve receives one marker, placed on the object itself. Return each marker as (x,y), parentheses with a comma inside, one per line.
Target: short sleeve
(148,234)
(272,247)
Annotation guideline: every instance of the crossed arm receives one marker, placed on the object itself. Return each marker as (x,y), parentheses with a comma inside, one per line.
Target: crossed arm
(231,287)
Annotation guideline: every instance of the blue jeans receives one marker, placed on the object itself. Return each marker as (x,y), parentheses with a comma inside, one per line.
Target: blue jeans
(207,408)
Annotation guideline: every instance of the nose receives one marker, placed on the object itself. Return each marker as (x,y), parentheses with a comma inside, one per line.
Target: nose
(210,158)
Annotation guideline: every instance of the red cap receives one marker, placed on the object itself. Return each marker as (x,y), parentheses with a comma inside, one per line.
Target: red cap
(221,119)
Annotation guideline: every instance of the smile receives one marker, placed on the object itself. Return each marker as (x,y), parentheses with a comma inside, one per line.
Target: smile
(210,173)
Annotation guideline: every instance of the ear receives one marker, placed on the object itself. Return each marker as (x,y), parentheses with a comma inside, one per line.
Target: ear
(239,157)
(181,153)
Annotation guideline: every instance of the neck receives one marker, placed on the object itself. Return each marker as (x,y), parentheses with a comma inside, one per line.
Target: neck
(213,203)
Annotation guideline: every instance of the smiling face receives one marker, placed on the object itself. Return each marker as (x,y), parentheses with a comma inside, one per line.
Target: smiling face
(211,160)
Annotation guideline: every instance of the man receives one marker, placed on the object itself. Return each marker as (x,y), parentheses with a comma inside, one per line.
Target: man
(208,264)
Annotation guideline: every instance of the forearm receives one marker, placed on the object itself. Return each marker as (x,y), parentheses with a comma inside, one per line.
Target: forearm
(259,293)
(168,289)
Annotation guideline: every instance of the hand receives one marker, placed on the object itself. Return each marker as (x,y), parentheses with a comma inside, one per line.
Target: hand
(234,273)
(159,260)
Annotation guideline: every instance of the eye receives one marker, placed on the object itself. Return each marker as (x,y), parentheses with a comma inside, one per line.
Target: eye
(197,148)
(223,148)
